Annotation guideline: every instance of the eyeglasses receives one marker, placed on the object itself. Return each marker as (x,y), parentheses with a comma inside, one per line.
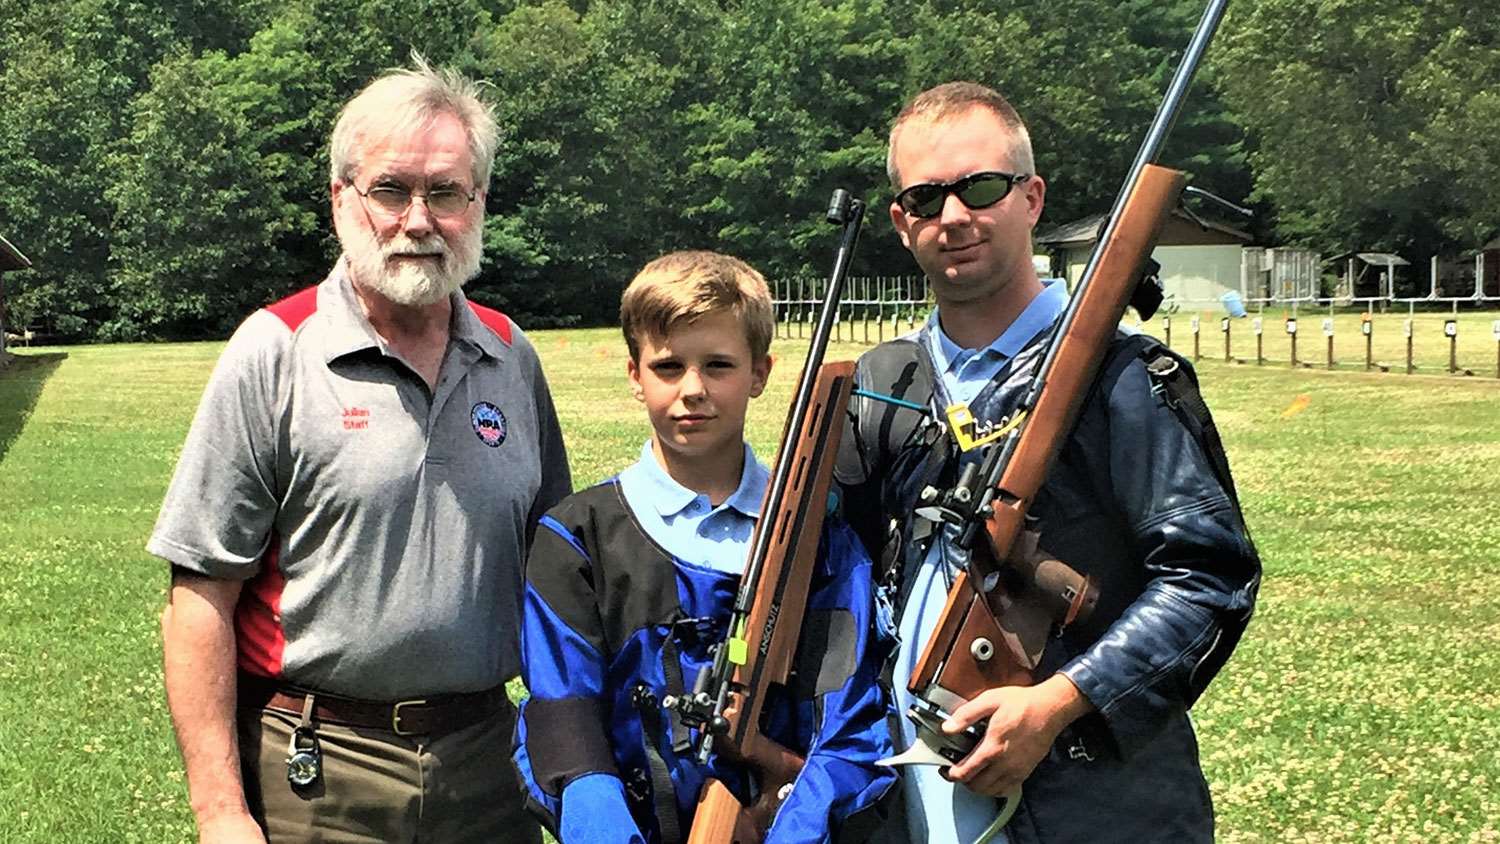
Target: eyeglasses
(979,190)
(395,199)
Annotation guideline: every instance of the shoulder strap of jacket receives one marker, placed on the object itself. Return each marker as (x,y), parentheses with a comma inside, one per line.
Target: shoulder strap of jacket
(1174,380)
(899,378)
(1178,387)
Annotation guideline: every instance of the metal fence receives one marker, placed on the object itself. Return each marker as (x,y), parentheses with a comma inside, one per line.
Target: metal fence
(1426,342)
(1286,276)
(1278,275)
(871,310)
(1389,338)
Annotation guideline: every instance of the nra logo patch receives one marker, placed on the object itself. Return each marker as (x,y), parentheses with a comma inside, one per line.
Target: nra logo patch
(489,424)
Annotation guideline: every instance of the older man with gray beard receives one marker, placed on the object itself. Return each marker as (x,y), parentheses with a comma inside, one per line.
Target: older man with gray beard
(347,521)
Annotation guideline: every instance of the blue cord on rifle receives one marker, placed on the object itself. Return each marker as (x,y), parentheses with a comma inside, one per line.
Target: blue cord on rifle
(892,400)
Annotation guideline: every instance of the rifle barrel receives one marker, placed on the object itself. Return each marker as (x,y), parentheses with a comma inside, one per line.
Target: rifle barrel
(1156,135)
(850,213)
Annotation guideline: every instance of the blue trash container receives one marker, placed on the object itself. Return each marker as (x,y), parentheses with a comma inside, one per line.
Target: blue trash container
(1233,304)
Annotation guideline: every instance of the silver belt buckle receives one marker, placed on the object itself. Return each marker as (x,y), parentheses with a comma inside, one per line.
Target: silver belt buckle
(396,717)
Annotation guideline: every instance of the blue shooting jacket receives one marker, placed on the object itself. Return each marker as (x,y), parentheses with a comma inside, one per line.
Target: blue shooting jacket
(613,623)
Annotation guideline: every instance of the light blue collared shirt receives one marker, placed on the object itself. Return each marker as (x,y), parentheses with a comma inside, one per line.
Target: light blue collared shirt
(939,811)
(684,523)
(966,371)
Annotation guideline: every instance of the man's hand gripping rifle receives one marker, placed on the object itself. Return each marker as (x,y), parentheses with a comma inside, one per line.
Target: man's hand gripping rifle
(727,699)
(1001,609)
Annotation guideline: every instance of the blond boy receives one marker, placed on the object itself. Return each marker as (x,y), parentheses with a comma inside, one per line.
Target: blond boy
(629,586)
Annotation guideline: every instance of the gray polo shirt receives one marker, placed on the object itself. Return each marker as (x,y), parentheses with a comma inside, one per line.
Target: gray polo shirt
(380,526)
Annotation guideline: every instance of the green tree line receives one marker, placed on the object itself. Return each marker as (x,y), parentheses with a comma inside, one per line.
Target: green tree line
(165,163)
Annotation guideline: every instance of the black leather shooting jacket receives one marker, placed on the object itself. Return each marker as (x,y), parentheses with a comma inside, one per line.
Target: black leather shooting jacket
(1135,501)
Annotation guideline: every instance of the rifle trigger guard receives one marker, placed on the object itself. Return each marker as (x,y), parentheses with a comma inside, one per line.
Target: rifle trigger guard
(932,745)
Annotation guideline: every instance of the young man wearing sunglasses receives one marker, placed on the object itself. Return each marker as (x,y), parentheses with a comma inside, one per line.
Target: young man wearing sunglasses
(1139,500)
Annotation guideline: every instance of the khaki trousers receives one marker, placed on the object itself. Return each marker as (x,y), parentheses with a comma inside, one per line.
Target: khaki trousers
(381,788)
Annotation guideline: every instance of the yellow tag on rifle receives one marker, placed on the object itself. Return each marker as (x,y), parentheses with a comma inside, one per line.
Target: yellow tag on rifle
(970,433)
(739,650)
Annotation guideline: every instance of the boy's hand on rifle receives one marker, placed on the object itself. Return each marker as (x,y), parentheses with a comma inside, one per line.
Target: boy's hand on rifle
(1023,723)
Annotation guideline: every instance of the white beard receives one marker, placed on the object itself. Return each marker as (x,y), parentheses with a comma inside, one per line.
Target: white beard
(414,283)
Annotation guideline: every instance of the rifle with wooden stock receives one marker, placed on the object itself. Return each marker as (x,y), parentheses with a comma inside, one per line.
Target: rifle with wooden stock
(728,697)
(1001,609)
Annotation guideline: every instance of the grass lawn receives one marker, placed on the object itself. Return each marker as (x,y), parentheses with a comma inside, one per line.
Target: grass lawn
(1363,705)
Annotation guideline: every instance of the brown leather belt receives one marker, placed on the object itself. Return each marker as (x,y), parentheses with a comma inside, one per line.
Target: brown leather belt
(434,715)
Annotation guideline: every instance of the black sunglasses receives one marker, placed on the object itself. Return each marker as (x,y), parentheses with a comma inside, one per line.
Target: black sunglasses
(979,190)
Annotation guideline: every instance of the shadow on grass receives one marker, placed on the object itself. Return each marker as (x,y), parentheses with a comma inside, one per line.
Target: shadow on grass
(20,384)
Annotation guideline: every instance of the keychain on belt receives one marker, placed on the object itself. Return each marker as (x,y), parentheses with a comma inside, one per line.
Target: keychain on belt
(304,761)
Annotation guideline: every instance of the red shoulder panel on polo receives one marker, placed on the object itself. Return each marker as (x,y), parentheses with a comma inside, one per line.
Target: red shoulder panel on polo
(297,307)
(259,637)
(497,322)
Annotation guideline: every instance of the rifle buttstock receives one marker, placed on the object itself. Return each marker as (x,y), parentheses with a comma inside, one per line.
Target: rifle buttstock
(721,819)
(774,621)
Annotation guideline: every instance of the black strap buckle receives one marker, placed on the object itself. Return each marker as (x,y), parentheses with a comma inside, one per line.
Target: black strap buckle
(692,633)
(1163,369)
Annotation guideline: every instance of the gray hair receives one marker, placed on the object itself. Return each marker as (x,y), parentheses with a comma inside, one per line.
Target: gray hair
(403,98)
(955,99)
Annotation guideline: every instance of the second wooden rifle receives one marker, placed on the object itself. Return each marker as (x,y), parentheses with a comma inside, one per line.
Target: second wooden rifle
(727,700)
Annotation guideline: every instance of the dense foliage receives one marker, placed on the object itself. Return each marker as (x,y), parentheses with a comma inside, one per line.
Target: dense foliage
(1375,119)
(166,169)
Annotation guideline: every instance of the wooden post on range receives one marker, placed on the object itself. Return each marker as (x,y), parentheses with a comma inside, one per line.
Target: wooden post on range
(1450,329)
(1166,325)
(1224,325)
(1495,327)
(1328,332)
(1291,331)
(1406,326)
(1197,356)
(1367,328)
(1260,345)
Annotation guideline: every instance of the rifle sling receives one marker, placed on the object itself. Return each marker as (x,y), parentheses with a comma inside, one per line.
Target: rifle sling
(1181,393)
(663,794)
(938,460)
(902,375)
(671,669)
